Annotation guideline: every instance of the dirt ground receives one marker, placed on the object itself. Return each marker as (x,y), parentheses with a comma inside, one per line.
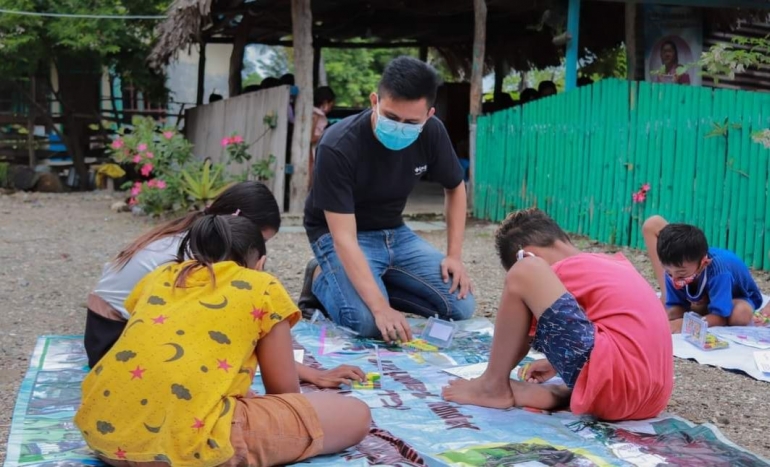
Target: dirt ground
(52,248)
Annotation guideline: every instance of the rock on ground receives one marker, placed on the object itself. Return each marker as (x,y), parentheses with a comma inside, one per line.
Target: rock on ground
(53,247)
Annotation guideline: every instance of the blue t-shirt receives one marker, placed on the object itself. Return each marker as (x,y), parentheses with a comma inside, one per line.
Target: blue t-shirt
(726,278)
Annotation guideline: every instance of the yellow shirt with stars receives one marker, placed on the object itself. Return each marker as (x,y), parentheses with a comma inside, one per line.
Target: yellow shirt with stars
(166,390)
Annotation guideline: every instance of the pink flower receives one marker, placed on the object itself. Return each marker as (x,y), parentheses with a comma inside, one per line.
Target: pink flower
(142,147)
(132,202)
(149,155)
(117,144)
(225,142)
(237,139)
(646,187)
(136,189)
(146,169)
(635,197)
(168,134)
(137,158)
(157,183)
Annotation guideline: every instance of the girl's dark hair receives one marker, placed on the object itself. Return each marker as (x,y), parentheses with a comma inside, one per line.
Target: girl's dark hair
(213,239)
(252,200)
(323,95)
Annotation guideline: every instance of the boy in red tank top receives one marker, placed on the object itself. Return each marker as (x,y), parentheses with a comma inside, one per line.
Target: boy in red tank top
(599,323)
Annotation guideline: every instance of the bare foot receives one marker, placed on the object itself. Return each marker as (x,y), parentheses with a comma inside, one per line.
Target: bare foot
(479,392)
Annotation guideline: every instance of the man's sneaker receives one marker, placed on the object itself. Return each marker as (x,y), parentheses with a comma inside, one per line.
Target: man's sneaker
(308,303)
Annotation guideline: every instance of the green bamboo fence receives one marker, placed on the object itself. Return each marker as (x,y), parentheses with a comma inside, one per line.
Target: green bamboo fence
(581,155)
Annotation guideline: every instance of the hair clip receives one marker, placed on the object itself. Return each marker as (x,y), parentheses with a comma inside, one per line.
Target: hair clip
(237,211)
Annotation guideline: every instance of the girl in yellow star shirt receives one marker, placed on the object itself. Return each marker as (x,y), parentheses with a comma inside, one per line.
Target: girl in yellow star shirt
(174,389)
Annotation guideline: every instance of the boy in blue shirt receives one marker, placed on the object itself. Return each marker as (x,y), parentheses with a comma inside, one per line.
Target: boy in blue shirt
(713,282)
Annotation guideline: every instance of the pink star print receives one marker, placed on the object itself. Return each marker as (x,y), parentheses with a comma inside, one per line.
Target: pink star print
(138,372)
(120,454)
(198,424)
(223,365)
(160,319)
(257,313)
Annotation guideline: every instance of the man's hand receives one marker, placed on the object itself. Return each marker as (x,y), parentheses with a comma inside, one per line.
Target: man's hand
(392,325)
(456,268)
(538,371)
(676,325)
(336,377)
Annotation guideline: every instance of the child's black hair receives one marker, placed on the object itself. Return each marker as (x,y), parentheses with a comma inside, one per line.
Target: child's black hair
(526,227)
(216,238)
(681,243)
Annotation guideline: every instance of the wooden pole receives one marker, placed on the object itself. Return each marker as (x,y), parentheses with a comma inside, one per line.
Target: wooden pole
(477,77)
(573,28)
(302,30)
(236,58)
(424,53)
(201,73)
(317,53)
(631,39)
(31,122)
(500,72)
(322,79)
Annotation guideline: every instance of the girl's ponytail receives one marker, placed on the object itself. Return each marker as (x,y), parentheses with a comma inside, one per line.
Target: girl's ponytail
(215,238)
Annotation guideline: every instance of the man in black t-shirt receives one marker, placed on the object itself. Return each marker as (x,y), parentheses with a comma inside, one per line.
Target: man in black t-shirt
(368,264)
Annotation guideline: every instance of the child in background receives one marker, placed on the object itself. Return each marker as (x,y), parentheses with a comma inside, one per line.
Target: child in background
(106,316)
(599,324)
(174,389)
(323,103)
(713,282)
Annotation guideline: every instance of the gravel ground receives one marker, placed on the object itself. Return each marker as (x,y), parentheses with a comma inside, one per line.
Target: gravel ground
(52,248)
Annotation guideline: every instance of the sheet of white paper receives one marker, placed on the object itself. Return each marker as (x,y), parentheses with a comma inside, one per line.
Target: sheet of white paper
(735,357)
(752,336)
(762,359)
(299,357)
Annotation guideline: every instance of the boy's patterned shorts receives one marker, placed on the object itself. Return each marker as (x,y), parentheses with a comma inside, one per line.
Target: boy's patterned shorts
(566,337)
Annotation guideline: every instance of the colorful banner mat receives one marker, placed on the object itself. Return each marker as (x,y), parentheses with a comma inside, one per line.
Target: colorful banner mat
(412,425)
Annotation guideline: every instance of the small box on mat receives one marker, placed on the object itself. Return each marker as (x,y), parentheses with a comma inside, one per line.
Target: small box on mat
(695,331)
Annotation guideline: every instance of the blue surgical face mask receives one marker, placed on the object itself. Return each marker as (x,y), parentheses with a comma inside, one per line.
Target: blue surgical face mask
(395,135)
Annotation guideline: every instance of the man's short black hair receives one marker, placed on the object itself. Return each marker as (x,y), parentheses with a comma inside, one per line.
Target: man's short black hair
(681,243)
(409,79)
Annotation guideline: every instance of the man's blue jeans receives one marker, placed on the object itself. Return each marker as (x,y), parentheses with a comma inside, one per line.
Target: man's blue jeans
(406,268)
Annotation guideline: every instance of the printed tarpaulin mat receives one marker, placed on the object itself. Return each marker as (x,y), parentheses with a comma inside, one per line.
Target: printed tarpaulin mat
(412,425)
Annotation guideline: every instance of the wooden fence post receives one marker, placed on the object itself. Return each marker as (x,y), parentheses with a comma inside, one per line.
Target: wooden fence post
(302,29)
(477,77)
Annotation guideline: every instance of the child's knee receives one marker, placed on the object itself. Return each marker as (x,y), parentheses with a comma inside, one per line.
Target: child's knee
(742,313)
(653,225)
(360,416)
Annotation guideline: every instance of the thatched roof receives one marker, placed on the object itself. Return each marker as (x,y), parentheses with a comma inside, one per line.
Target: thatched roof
(520,32)
(516,30)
